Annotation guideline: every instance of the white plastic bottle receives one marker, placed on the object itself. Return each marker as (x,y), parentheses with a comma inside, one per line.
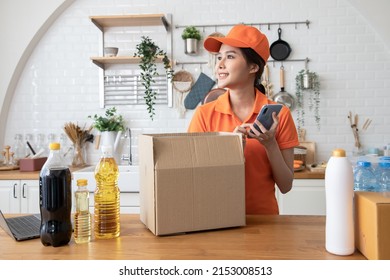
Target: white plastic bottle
(339,233)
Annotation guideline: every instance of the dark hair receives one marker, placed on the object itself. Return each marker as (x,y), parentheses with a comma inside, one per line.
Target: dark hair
(252,57)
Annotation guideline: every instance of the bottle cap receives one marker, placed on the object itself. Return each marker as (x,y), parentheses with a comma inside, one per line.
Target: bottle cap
(338,153)
(54,146)
(363,163)
(82,182)
(384,164)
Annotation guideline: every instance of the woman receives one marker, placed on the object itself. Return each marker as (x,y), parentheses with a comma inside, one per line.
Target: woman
(269,154)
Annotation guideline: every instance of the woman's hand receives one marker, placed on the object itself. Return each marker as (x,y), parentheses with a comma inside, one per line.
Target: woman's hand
(266,137)
(243,129)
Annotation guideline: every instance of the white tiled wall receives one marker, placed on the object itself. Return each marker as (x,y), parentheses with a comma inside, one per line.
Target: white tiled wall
(60,84)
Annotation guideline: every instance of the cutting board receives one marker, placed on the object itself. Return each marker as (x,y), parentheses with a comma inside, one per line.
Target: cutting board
(9,167)
(310,152)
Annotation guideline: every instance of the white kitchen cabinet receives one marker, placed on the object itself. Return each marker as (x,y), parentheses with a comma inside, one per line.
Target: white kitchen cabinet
(307,197)
(19,196)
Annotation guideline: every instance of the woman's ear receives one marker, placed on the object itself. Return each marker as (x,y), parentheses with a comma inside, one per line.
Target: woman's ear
(254,68)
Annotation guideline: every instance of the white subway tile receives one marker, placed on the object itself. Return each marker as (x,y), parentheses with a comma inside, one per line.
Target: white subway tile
(60,84)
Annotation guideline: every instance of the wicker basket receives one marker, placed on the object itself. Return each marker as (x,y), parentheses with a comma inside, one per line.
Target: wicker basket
(300,154)
(182,81)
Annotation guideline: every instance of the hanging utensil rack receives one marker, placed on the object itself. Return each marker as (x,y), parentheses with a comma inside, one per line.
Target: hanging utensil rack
(259,24)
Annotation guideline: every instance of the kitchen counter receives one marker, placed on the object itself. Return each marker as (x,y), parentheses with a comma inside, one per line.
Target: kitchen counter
(17,175)
(307,174)
(264,237)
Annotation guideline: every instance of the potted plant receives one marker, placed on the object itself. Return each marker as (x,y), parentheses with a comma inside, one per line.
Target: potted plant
(110,126)
(109,122)
(191,37)
(149,52)
(307,82)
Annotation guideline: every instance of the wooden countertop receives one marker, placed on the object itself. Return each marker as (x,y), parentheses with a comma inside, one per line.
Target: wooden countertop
(307,174)
(17,175)
(264,237)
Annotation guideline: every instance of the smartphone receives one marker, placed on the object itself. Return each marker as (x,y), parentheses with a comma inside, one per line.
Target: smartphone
(265,115)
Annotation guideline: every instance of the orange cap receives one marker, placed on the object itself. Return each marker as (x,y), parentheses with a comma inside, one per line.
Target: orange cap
(241,36)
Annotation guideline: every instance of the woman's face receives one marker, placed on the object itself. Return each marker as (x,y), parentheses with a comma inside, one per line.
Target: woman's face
(232,70)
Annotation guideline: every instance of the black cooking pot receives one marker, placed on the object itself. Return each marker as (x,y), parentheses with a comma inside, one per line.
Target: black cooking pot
(280,49)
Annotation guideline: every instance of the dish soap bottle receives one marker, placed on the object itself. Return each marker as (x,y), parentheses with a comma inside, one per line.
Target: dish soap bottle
(55,200)
(107,224)
(339,229)
(82,217)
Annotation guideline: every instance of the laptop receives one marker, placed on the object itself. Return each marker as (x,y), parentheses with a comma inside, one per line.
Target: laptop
(21,227)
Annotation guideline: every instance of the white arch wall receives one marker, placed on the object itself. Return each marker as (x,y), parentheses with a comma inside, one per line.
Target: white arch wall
(22,24)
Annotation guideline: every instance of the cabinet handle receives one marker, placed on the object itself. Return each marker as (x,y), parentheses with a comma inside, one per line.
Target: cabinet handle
(14,190)
(23,191)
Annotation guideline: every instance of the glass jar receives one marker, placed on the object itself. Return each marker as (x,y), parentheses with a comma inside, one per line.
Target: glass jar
(79,155)
(18,148)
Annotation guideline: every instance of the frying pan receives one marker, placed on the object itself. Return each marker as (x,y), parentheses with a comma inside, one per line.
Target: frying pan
(283,97)
(280,49)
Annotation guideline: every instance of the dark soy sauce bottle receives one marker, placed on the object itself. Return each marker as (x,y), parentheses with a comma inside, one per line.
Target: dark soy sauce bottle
(55,200)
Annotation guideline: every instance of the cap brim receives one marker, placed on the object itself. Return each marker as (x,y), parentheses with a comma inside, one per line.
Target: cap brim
(213,44)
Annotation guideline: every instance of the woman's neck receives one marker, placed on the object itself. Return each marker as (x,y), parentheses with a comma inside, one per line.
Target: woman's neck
(242,101)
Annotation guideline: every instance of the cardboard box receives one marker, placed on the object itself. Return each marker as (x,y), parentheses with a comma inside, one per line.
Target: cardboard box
(29,164)
(191,182)
(372,224)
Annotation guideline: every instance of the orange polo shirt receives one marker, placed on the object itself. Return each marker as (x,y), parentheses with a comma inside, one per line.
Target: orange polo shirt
(259,183)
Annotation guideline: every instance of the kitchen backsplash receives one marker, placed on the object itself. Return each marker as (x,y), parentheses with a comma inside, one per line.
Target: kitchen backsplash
(60,84)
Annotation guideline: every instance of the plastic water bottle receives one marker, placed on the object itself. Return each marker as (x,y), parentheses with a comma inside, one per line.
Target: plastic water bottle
(107,194)
(82,217)
(384,158)
(339,230)
(382,174)
(364,178)
(55,200)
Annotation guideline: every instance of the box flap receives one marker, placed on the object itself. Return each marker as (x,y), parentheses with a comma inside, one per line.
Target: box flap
(171,151)
(146,173)
(375,197)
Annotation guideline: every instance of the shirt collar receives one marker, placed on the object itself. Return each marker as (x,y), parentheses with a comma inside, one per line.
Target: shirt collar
(223,103)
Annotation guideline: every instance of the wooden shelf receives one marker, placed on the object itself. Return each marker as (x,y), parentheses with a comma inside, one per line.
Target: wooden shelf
(130,20)
(101,61)
(104,21)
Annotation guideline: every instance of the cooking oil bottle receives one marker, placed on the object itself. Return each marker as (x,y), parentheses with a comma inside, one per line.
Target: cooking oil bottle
(82,217)
(107,224)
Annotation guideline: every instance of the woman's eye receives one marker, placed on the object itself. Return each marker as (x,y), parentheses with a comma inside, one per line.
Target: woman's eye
(230,56)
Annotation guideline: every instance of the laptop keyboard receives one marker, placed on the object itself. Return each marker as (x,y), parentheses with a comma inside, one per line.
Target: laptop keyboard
(25,225)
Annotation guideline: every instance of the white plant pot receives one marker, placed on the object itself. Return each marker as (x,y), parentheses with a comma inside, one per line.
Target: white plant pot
(112,138)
